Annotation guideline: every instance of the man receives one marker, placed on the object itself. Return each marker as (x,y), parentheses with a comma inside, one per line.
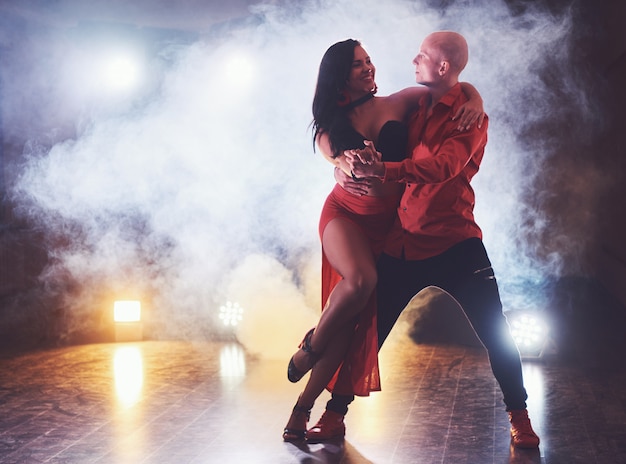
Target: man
(436,241)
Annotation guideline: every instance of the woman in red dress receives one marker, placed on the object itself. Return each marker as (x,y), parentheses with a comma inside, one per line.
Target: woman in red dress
(342,350)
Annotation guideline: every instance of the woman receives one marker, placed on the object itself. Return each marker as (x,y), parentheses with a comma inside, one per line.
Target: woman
(342,350)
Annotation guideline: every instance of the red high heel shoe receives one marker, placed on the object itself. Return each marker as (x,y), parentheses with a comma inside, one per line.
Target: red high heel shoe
(293,373)
(302,414)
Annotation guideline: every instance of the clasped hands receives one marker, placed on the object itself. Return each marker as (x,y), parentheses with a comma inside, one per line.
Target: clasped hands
(365,162)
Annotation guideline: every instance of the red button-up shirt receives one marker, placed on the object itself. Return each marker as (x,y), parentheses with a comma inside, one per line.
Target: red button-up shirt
(437,207)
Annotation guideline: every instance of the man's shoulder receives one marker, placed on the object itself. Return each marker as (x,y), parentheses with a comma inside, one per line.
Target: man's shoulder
(455,96)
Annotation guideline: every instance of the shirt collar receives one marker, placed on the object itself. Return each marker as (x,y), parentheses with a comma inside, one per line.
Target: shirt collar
(449,98)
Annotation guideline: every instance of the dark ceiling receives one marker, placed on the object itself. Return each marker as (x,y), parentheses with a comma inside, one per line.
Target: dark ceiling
(189,15)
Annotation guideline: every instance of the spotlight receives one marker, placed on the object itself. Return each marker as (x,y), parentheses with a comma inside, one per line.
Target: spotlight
(238,70)
(106,73)
(127,317)
(127,311)
(120,72)
(530,332)
(231,314)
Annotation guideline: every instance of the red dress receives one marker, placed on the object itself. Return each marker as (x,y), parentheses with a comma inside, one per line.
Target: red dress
(374,216)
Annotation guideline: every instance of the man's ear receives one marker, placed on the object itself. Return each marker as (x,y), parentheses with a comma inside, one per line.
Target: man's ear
(444,68)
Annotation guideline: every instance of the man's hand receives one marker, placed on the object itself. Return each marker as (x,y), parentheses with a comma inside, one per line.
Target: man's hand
(367,155)
(365,162)
(356,187)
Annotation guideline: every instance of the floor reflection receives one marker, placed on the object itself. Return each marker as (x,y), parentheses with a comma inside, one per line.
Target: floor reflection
(178,402)
(232,361)
(128,374)
(328,453)
(525,456)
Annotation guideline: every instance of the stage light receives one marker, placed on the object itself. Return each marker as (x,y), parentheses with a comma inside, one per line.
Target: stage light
(231,314)
(530,332)
(127,318)
(105,74)
(239,70)
(234,75)
(127,311)
(120,72)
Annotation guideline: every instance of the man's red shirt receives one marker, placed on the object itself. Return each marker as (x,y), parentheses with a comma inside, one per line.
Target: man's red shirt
(437,208)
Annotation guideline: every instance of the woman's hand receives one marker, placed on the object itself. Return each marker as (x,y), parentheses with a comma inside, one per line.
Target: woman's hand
(472,111)
(469,113)
(367,155)
(365,162)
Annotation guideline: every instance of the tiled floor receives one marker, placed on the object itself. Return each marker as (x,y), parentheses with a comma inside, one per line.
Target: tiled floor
(180,402)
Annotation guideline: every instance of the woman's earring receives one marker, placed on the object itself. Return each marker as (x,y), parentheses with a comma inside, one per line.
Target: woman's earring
(344,98)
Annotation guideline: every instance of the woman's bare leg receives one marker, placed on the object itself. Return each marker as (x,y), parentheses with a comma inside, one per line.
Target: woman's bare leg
(321,374)
(348,251)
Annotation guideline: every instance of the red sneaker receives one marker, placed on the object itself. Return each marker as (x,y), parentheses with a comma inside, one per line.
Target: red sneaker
(328,427)
(522,433)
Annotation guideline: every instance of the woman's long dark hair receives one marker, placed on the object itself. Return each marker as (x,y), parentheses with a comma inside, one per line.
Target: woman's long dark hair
(328,116)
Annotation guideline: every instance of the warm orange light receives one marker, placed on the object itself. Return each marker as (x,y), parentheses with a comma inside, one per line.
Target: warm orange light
(127,311)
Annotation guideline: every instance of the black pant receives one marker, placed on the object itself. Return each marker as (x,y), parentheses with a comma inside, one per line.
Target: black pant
(464,271)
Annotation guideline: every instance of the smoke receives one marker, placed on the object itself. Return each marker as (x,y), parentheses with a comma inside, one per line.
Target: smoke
(205,189)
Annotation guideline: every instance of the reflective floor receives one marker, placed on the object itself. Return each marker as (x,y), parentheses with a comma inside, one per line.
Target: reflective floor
(180,402)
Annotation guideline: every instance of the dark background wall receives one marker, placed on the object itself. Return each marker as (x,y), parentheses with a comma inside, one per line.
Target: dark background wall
(33,309)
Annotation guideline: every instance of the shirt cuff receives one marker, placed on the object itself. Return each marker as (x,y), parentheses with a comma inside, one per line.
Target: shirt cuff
(392,171)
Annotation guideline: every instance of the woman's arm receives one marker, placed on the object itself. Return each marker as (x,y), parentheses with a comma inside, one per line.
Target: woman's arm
(473,110)
(469,113)
(323,144)
(343,175)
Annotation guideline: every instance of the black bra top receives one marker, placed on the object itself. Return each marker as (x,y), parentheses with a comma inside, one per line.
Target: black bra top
(392,140)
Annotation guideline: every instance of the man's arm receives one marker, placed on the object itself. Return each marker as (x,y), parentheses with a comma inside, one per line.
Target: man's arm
(349,184)
(449,160)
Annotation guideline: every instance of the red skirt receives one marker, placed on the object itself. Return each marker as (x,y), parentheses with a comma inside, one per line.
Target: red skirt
(374,216)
